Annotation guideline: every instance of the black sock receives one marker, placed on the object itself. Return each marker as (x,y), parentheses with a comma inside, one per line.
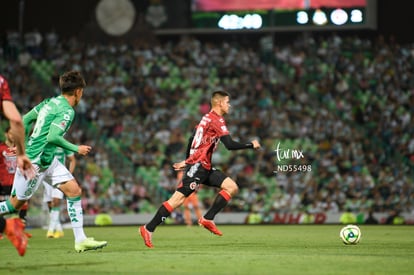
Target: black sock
(2,224)
(23,214)
(219,203)
(163,212)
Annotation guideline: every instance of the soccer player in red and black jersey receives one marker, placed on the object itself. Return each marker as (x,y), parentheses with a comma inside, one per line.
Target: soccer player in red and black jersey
(8,160)
(198,168)
(14,227)
(8,165)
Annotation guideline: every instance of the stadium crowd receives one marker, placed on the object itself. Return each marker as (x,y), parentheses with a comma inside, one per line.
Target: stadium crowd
(337,110)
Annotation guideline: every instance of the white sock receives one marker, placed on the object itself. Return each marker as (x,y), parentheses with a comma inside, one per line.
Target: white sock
(75,213)
(53,214)
(58,227)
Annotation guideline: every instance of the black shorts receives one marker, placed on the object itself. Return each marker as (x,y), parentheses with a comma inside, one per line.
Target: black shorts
(196,174)
(5,190)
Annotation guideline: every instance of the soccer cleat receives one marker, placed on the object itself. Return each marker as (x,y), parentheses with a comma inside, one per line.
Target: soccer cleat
(89,244)
(146,236)
(28,235)
(50,234)
(15,233)
(210,226)
(1,236)
(58,234)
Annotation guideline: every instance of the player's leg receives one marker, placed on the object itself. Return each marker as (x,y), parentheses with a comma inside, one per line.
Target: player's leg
(73,192)
(57,197)
(47,198)
(188,185)
(61,178)
(184,189)
(22,191)
(187,211)
(228,189)
(23,214)
(186,203)
(4,195)
(23,211)
(191,204)
(162,213)
(2,224)
(196,206)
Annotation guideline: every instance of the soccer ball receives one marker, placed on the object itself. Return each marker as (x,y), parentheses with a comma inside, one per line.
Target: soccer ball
(350,234)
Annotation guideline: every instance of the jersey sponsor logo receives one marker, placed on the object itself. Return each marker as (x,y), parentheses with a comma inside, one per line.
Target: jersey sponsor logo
(10,160)
(193,169)
(8,153)
(210,140)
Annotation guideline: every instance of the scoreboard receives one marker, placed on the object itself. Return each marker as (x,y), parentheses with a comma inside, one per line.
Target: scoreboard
(282,15)
(298,19)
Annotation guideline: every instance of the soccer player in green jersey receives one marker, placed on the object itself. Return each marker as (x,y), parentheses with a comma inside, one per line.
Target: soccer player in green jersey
(52,118)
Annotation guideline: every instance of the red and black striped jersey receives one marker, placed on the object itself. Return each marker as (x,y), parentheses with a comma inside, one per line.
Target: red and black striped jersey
(206,138)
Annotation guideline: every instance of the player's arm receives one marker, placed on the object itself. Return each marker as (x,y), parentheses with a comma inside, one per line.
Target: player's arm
(190,142)
(234,145)
(16,125)
(71,162)
(55,137)
(17,130)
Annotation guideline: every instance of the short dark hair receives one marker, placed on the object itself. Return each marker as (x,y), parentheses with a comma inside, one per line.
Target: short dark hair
(220,93)
(217,96)
(70,81)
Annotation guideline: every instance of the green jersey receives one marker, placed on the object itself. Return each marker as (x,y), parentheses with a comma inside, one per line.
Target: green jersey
(52,118)
(61,154)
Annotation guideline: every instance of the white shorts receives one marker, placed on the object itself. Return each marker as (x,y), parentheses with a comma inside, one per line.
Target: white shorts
(54,175)
(51,192)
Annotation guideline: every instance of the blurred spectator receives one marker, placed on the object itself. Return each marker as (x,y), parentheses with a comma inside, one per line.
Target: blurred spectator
(345,100)
(370,218)
(394,218)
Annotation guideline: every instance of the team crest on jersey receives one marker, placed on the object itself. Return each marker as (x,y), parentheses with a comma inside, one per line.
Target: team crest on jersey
(193,186)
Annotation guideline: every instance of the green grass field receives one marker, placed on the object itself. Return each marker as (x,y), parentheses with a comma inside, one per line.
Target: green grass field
(268,249)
